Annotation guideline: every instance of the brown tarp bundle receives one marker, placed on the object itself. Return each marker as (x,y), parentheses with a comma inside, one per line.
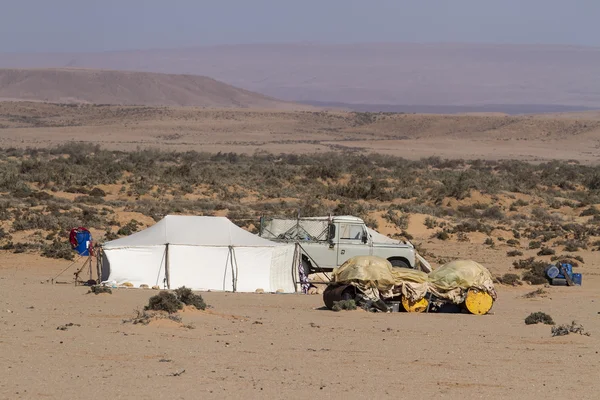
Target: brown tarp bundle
(376,278)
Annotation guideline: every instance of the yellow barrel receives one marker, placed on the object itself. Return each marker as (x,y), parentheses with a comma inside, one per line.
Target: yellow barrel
(415,306)
(478,302)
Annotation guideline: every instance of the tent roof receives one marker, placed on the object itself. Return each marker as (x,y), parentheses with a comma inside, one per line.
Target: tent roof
(192,231)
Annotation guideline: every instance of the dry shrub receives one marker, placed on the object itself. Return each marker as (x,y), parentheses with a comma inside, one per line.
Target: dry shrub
(545,251)
(510,279)
(344,305)
(535,293)
(566,329)
(97,289)
(145,317)
(535,270)
(441,235)
(567,259)
(534,245)
(58,249)
(189,298)
(164,301)
(539,318)
(514,253)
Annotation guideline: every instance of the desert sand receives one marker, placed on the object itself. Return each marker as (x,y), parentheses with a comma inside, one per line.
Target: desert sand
(534,138)
(276,345)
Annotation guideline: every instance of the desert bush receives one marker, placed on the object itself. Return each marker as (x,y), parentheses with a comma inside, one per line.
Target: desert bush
(344,305)
(58,249)
(513,242)
(493,213)
(430,223)
(534,245)
(514,253)
(545,251)
(97,289)
(489,241)
(462,237)
(535,270)
(97,192)
(574,245)
(144,317)
(510,279)
(539,318)
(323,171)
(441,235)
(591,211)
(164,301)
(566,329)
(131,227)
(541,214)
(189,298)
(535,293)
(472,225)
(534,278)
(566,259)
(401,221)
(519,203)
(89,200)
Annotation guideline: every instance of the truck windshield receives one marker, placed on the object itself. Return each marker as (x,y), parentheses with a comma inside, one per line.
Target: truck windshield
(351,231)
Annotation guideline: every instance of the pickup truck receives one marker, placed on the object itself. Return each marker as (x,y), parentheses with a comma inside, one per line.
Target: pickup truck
(327,242)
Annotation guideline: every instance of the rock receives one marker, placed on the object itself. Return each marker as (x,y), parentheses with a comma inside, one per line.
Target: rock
(313,290)
(259,291)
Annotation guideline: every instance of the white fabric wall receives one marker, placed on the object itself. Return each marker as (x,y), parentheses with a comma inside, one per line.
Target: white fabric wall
(205,267)
(200,268)
(144,265)
(253,268)
(283,271)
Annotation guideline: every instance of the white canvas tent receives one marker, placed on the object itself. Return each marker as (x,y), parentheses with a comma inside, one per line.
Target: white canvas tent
(201,253)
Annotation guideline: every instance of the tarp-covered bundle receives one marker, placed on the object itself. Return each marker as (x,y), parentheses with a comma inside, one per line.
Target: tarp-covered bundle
(201,253)
(452,280)
(377,278)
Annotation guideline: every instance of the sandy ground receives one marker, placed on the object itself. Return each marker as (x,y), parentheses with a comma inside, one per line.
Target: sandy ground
(275,346)
(530,138)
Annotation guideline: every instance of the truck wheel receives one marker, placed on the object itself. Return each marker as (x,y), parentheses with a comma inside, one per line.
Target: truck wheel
(399,264)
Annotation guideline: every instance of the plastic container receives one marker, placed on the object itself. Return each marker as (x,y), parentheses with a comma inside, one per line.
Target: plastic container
(567,267)
(83,243)
(552,271)
(576,278)
(394,306)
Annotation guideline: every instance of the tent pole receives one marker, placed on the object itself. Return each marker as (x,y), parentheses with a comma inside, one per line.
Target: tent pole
(295,267)
(99,264)
(167,270)
(234,268)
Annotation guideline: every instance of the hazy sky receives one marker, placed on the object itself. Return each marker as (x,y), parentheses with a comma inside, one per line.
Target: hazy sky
(86,25)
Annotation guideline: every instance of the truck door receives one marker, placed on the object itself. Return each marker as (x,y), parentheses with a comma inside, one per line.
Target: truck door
(351,242)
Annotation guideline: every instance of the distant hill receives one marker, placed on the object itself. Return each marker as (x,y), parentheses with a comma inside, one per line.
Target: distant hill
(70,85)
(440,74)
